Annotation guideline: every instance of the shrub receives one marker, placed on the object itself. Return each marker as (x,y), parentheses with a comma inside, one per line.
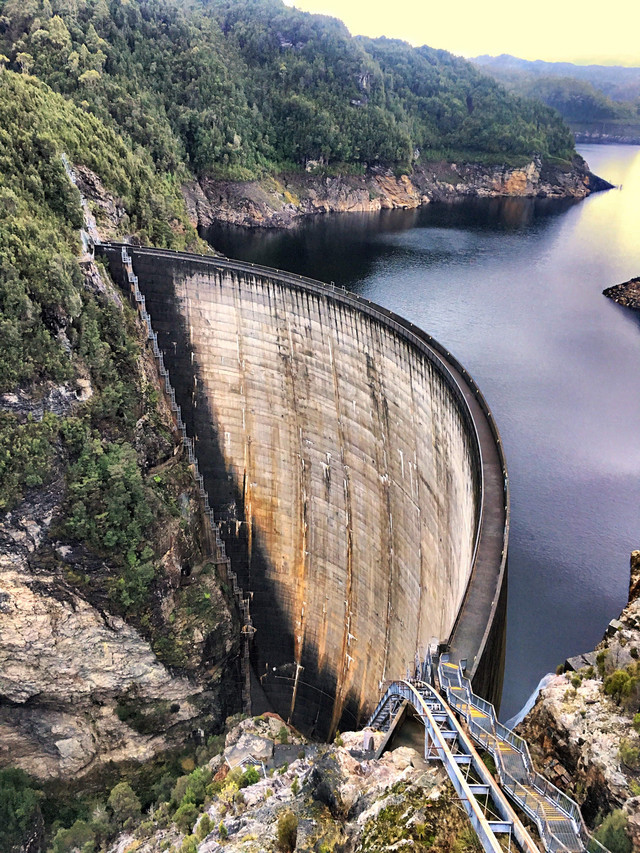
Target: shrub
(26,454)
(80,836)
(222,831)
(612,833)
(191,788)
(629,754)
(489,762)
(601,658)
(287,832)
(189,845)
(618,684)
(108,504)
(283,735)
(636,723)
(185,816)
(295,787)
(249,777)
(338,739)
(204,827)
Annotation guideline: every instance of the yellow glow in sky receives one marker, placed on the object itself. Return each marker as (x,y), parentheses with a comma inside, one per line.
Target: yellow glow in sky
(555,30)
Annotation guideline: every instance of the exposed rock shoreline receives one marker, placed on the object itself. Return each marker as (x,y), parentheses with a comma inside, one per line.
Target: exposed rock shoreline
(280,201)
(626,294)
(596,137)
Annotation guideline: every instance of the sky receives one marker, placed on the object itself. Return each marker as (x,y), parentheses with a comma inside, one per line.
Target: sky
(606,33)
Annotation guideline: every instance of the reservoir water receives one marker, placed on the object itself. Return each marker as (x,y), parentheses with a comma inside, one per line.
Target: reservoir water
(513,287)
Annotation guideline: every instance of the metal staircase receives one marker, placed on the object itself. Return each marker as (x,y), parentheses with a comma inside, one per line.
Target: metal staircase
(557,816)
(491,816)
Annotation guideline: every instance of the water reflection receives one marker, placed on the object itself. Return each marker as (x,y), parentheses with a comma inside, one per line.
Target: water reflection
(346,247)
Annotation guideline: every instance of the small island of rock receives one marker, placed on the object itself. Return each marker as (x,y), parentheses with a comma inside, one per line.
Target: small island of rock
(627,294)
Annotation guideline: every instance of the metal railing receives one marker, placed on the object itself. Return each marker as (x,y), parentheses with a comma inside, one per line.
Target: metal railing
(489,737)
(438,735)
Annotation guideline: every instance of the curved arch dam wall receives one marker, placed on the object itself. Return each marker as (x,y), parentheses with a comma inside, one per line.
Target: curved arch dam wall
(348,468)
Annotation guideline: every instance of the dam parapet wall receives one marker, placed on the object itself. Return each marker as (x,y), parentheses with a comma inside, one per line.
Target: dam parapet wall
(341,452)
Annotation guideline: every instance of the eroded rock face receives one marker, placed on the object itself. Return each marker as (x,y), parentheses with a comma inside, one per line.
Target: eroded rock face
(79,686)
(281,201)
(63,667)
(108,210)
(575,734)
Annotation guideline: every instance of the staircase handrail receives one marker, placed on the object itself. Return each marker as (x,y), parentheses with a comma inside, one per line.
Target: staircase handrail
(510,783)
(540,783)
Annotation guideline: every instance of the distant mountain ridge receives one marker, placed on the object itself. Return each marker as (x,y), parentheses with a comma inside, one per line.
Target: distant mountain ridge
(618,82)
(601,103)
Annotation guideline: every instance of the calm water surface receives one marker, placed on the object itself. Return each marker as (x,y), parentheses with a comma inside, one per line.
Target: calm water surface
(513,288)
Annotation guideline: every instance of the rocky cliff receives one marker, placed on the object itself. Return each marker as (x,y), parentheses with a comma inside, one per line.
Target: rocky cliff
(86,677)
(626,294)
(281,201)
(584,728)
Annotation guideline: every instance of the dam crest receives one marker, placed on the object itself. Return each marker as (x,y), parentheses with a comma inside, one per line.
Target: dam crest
(355,473)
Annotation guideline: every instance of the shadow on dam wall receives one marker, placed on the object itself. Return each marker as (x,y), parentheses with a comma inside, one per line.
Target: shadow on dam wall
(343,465)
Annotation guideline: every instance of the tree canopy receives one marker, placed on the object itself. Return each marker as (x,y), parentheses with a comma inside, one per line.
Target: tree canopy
(239,87)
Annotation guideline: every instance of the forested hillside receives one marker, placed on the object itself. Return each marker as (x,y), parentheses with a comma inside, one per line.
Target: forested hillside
(87,467)
(237,88)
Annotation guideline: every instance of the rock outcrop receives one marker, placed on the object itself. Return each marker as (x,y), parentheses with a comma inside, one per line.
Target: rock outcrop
(338,798)
(281,201)
(64,668)
(626,294)
(582,731)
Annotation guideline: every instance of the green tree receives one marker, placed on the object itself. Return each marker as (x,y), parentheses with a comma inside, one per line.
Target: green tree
(20,817)
(79,836)
(124,805)
(185,816)
(612,833)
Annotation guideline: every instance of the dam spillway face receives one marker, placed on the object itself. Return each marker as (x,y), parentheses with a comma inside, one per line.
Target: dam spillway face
(344,466)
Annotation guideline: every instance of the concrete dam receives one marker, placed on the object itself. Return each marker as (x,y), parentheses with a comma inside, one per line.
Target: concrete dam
(354,469)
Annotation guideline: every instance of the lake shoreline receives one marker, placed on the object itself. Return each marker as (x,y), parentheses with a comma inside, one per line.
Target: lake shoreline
(282,201)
